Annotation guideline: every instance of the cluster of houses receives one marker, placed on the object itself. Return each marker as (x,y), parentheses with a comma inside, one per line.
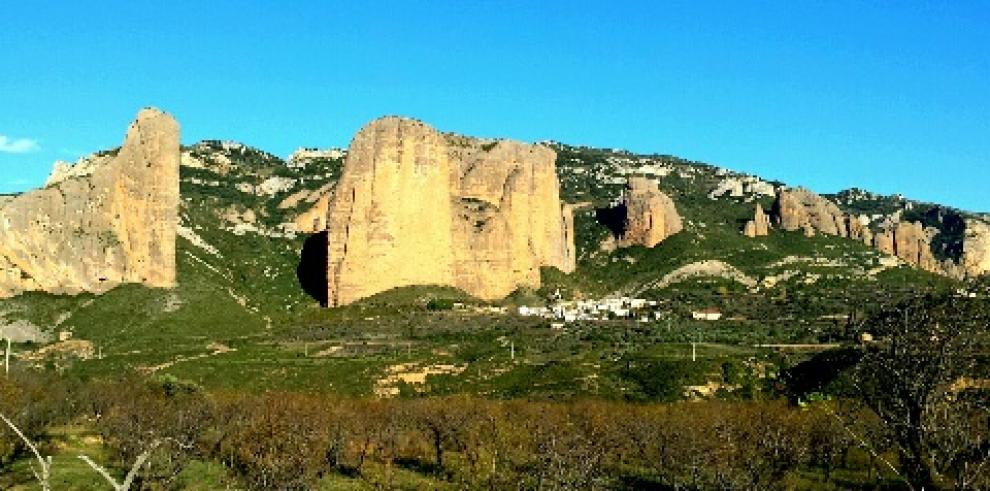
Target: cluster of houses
(590,310)
(638,309)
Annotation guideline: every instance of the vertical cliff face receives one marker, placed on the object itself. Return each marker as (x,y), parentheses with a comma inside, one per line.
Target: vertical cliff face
(912,243)
(390,220)
(651,215)
(976,248)
(112,221)
(414,207)
(509,216)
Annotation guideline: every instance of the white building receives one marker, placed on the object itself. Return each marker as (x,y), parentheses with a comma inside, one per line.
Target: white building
(707,314)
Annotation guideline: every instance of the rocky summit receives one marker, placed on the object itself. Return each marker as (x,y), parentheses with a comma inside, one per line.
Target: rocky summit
(417,207)
(108,220)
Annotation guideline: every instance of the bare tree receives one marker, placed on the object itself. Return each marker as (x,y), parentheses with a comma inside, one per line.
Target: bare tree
(910,379)
(44,476)
(131,475)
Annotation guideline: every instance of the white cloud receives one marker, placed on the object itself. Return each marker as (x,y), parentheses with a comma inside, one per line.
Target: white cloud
(18,145)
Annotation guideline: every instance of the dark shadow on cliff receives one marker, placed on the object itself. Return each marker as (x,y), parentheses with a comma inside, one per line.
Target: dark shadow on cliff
(312,268)
(613,218)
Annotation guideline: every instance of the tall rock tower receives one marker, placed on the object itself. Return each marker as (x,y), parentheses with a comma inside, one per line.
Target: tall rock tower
(415,207)
(107,221)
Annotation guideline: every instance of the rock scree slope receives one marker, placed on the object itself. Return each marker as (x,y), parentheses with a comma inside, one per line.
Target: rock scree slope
(109,222)
(417,207)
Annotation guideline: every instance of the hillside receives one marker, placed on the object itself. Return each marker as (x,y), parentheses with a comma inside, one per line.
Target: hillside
(240,318)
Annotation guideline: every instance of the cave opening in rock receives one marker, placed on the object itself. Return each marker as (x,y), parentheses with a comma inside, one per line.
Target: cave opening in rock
(312,269)
(613,218)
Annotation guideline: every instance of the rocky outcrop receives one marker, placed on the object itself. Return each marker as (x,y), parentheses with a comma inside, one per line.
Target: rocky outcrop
(650,215)
(759,226)
(859,229)
(884,241)
(799,208)
(314,219)
(83,167)
(111,222)
(301,157)
(740,186)
(976,248)
(414,207)
(912,243)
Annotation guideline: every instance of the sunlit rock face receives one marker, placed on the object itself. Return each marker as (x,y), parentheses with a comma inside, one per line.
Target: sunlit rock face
(109,222)
(909,241)
(759,226)
(799,208)
(651,215)
(417,207)
(976,248)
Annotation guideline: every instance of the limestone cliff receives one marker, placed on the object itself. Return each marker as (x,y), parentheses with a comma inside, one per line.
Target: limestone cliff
(112,221)
(414,207)
(650,216)
(759,226)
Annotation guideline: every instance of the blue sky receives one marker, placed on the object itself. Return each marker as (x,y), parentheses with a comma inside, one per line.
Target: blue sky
(889,96)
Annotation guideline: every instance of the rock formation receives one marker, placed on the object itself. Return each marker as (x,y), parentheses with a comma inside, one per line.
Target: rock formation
(799,208)
(976,248)
(110,222)
(414,207)
(650,214)
(83,167)
(759,226)
(859,229)
(909,241)
(884,241)
(314,219)
(912,243)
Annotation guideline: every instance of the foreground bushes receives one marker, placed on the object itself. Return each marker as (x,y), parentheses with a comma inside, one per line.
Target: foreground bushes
(290,440)
(293,440)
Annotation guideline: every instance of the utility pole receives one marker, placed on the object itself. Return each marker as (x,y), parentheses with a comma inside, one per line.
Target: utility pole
(512,349)
(694,346)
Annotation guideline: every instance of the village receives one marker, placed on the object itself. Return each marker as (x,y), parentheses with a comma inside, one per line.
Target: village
(609,308)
